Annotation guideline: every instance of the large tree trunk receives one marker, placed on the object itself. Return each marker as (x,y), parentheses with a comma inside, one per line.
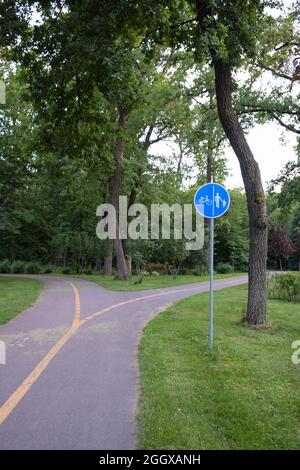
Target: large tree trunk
(257,291)
(132,199)
(108,244)
(108,257)
(127,243)
(114,186)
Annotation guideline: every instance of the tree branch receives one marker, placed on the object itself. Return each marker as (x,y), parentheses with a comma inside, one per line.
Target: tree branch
(274,72)
(286,44)
(287,126)
(249,110)
(172,26)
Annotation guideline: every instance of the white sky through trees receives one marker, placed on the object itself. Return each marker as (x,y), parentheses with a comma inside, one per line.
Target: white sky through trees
(269,151)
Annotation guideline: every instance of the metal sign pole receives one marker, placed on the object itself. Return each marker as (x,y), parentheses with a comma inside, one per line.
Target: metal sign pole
(211,200)
(211,303)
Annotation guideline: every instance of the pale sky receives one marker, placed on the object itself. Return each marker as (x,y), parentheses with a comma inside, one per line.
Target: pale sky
(270,150)
(270,153)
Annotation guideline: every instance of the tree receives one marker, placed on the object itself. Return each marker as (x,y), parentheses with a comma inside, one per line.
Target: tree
(80,55)
(296,243)
(232,233)
(226,31)
(109,65)
(280,246)
(239,19)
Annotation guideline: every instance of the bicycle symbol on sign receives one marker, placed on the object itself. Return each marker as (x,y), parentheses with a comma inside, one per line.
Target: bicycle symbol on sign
(204,200)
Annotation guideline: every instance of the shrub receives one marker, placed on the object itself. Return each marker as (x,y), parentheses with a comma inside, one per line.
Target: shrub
(199,271)
(47,269)
(18,267)
(87,271)
(183,270)
(224,268)
(66,271)
(158,267)
(5,266)
(33,267)
(285,287)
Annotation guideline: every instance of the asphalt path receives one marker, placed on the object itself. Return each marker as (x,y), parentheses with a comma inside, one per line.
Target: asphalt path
(71,378)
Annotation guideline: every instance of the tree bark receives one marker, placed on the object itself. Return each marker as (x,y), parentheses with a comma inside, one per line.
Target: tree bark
(257,289)
(108,258)
(132,199)
(127,243)
(108,245)
(114,186)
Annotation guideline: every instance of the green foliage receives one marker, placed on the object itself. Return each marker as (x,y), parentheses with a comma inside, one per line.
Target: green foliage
(59,128)
(224,268)
(232,233)
(66,271)
(47,269)
(158,267)
(231,28)
(5,266)
(285,287)
(33,267)
(87,271)
(24,267)
(199,271)
(18,267)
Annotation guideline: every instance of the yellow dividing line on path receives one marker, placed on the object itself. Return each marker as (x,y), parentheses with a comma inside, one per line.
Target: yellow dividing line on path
(18,395)
(76,318)
(25,386)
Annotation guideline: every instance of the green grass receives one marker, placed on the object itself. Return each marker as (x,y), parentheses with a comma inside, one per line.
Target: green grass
(149,282)
(245,395)
(16,294)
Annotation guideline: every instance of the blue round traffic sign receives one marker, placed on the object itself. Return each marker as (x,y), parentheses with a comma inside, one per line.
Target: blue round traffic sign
(212,200)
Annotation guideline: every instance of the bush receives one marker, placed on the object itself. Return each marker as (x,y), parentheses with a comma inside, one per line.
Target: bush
(284,287)
(5,266)
(144,273)
(47,269)
(224,268)
(183,270)
(18,267)
(33,267)
(199,271)
(87,271)
(66,271)
(158,267)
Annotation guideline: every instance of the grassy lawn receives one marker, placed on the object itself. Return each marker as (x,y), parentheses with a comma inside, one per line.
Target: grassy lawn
(149,282)
(245,395)
(16,295)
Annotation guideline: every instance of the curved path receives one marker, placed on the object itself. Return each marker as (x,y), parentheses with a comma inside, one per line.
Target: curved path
(71,378)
